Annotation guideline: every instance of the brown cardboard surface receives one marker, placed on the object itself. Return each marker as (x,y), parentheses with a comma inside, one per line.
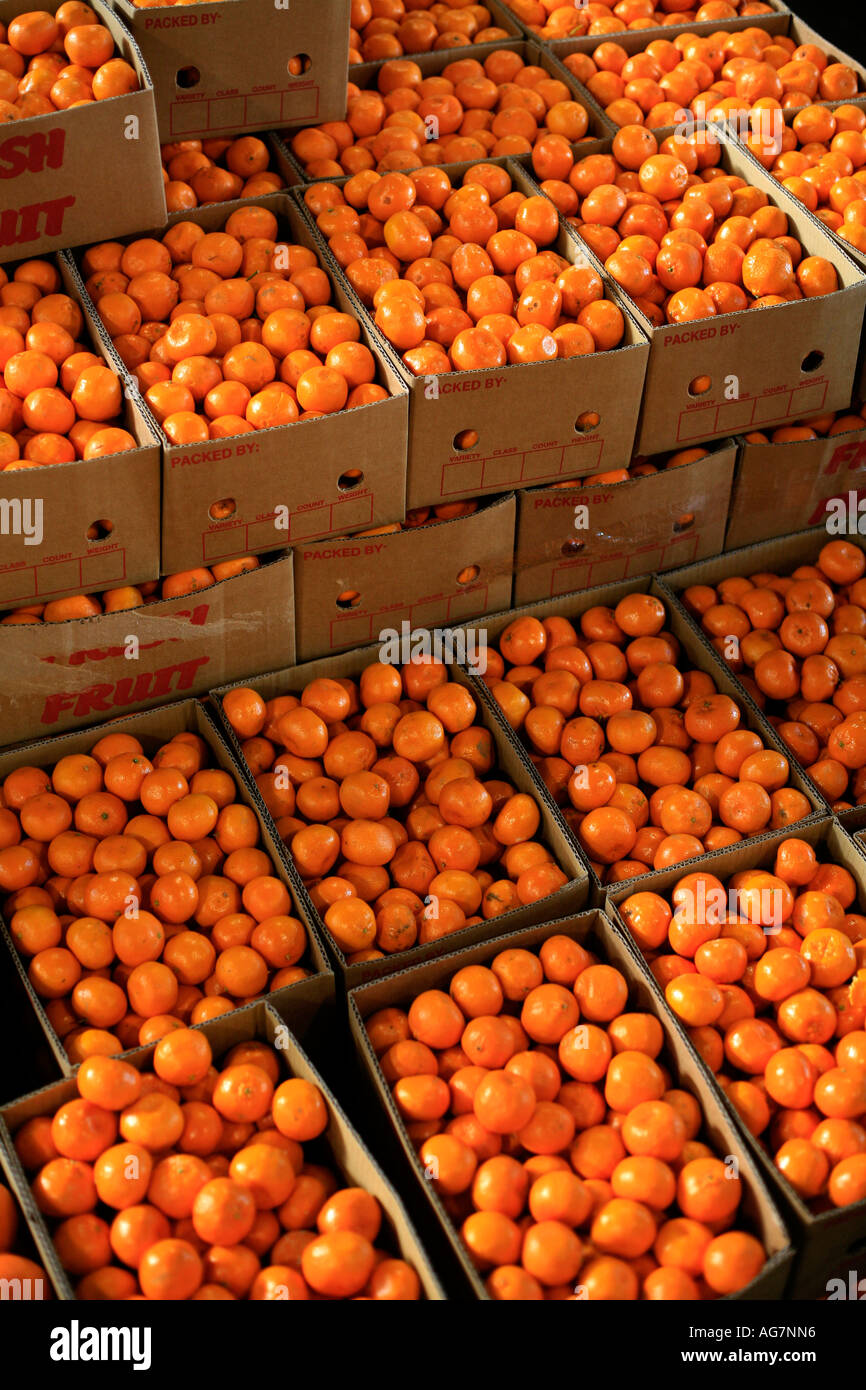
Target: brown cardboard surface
(223,67)
(153,728)
(779,488)
(60,676)
(340,1145)
(766,367)
(287,483)
(574,538)
(610,943)
(406,576)
(696,649)
(824,1240)
(520,445)
(82,174)
(121,488)
(570,898)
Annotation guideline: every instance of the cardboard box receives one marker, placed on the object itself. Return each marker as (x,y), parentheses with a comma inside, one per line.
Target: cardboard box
(696,650)
(607,941)
(290,484)
(59,676)
(822,1241)
(154,728)
(573,538)
(536,422)
(437,575)
(779,556)
(510,764)
(24,1244)
(501,17)
(51,557)
(779,488)
(224,67)
(765,367)
(366,77)
(84,174)
(790,114)
(340,1146)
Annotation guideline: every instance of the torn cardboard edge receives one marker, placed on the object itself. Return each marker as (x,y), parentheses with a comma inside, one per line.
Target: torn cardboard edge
(209,80)
(615,947)
(501,17)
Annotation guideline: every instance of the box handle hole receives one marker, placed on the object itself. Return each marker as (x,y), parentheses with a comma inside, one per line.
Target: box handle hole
(100,530)
(812,361)
(684,523)
(353,477)
(349,598)
(465,440)
(469,574)
(185,78)
(300,64)
(223,509)
(572,547)
(700,385)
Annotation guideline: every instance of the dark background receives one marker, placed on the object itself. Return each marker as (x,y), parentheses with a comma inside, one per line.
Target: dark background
(841,21)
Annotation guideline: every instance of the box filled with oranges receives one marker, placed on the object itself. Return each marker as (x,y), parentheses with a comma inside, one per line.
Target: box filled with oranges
(806,672)
(660,732)
(657,78)
(722,368)
(82,670)
(396,30)
(550,1087)
(240,65)
(81,492)
(828,174)
(155,966)
(475,383)
(73,172)
(795,477)
(649,517)
(401,893)
(556,27)
(365,1240)
(455,566)
(452,108)
(785,1052)
(248,465)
